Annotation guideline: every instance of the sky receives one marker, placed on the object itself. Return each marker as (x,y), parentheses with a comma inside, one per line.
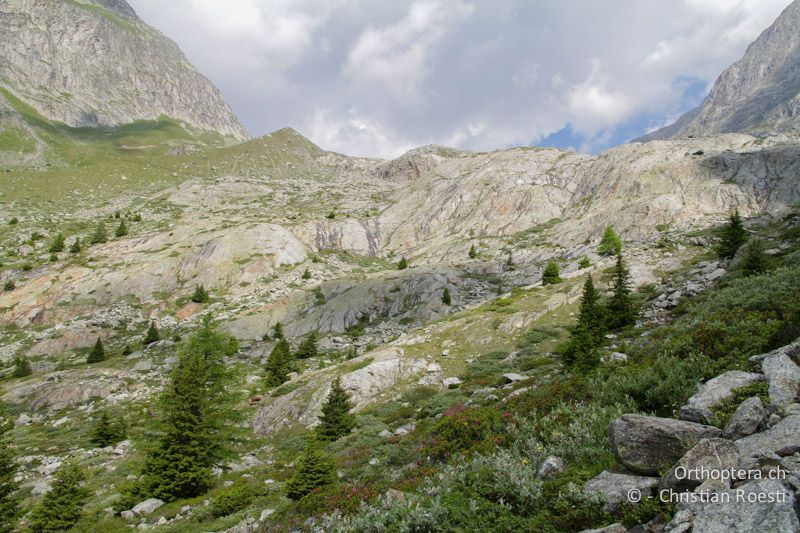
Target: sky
(377,78)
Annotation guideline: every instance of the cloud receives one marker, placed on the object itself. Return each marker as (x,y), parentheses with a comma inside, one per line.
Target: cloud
(594,106)
(376,78)
(395,58)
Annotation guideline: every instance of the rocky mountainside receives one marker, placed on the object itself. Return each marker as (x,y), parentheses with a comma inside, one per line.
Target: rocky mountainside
(95,63)
(759,94)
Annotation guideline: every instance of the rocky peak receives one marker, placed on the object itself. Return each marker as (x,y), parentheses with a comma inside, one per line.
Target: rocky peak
(97,64)
(759,94)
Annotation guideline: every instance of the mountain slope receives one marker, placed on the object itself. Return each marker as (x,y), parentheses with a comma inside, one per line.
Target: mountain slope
(759,94)
(97,64)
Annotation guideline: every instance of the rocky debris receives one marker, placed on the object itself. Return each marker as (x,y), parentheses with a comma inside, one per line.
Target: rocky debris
(783,376)
(702,277)
(762,505)
(144,365)
(613,528)
(511,377)
(147,506)
(647,444)
(708,455)
(616,358)
(699,407)
(781,439)
(451,382)
(551,466)
(614,488)
(746,420)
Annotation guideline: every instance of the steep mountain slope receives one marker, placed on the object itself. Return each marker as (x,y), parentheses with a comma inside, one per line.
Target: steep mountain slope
(759,94)
(95,63)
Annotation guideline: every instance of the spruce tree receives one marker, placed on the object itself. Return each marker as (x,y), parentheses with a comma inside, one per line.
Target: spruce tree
(403,264)
(584,262)
(335,420)
(308,348)
(9,501)
(733,237)
(277,331)
(122,229)
(152,334)
(102,433)
(551,274)
(62,506)
(58,244)
(755,260)
(315,468)
(473,253)
(278,364)
(611,243)
(446,296)
(620,308)
(578,352)
(306,274)
(98,352)
(22,368)
(200,295)
(100,234)
(76,246)
(195,410)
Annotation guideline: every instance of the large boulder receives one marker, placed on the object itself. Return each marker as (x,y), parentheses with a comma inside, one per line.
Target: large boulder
(147,506)
(711,393)
(707,460)
(781,439)
(746,420)
(647,444)
(783,377)
(764,505)
(614,489)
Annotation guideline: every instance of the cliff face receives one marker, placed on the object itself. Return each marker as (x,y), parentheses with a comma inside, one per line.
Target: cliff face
(97,64)
(759,94)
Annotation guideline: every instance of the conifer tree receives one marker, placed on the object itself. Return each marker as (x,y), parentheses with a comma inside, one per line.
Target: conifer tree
(733,236)
(98,352)
(578,352)
(335,420)
(152,334)
(551,274)
(9,501)
(76,246)
(62,506)
(308,348)
(755,260)
(277,331)
(584,262)
(315,468)
(306,274)
(403,264)
(200,295)
(58,244)
(100,234)
(22,368)
(446,300)
(102,434)
(473,253)
(620,309)
(611,243)
(9,285)
(122,229)
(194,413)
(278,364)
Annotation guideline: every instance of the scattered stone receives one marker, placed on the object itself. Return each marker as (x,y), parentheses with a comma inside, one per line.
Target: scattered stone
(147,506)
(144,365)
(746,420)
(648,445)
(511,377)
(186,509)
(613,488)
(764,505)
(711,393)
(617,357)
(266,513)
(716,274)
(452,382)
(781,439)
(551,466)
(23,420)
(385,434)
(783,377)
(127,515)
(433,368)
(162,520)
(704,461)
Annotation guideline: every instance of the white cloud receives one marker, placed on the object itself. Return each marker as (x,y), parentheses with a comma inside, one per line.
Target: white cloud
(593,105)
(395,57)
(353,134)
